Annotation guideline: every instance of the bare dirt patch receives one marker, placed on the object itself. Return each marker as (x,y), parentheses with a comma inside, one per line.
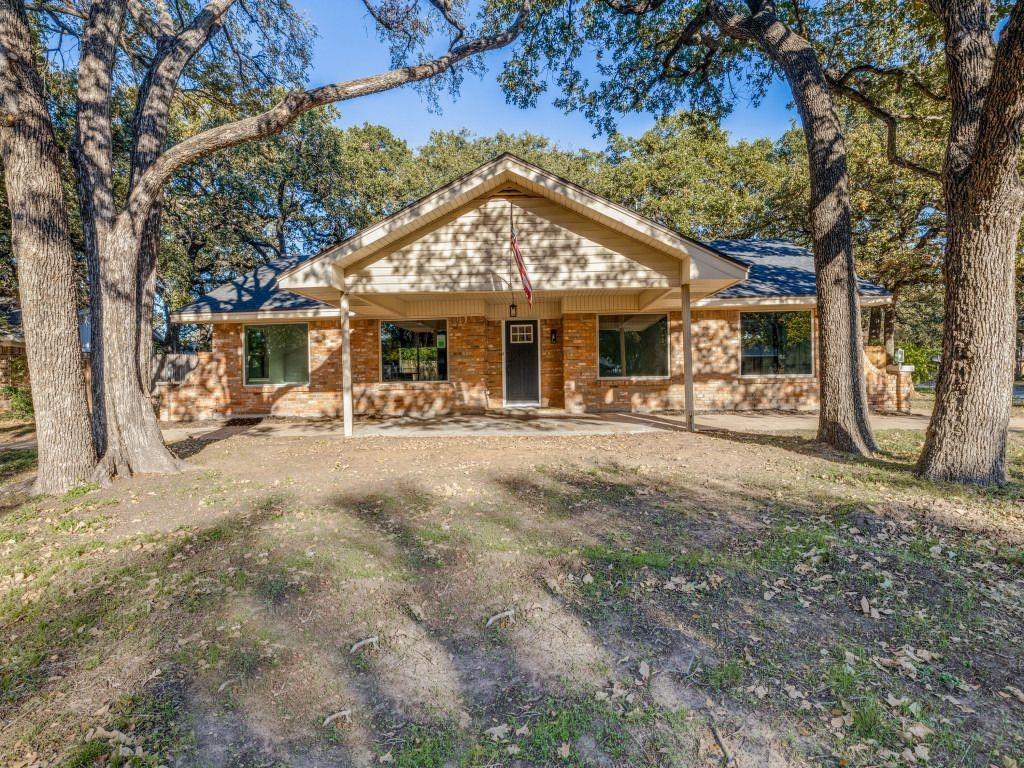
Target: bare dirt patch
(644,599)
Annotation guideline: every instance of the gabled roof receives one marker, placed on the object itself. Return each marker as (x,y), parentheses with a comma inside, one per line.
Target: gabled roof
(778,268)
(252,293)
(491,176)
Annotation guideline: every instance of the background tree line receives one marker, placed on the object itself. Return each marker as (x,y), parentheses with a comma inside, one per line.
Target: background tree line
(316,183)
(157,86)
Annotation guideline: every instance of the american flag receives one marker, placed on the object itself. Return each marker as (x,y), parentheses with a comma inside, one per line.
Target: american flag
(527,286)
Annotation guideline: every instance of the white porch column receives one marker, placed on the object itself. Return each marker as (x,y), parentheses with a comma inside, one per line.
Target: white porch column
(687,355)
(346,365)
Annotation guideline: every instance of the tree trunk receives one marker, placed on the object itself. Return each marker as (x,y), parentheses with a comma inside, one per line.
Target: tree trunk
(134,442)
(966,438)
(92,153)
(843,417)
(146,291)
(45,262)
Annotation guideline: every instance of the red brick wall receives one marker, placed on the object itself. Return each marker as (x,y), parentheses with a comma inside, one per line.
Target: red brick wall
(13,370)
(13,366)
(584,391)
(568,375)
(718,385)
(552,384)
(716,366)
(882,386)
(495,373)
(215,387)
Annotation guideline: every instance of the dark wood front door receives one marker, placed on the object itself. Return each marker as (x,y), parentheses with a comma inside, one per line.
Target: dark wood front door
(522,380)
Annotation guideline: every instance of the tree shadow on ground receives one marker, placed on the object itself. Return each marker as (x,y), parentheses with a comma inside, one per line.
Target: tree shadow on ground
(606,610)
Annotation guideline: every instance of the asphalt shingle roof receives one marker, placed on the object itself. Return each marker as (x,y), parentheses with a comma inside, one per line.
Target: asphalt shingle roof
(254,291)
(777,268)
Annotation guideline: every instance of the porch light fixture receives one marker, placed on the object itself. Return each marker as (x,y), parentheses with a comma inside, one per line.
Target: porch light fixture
(554,335)
(512,309)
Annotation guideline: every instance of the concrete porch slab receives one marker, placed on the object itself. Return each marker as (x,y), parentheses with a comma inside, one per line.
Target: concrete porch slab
(502,424)
(513,423)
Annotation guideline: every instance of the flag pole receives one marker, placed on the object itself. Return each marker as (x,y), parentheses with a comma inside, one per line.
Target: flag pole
(512,311)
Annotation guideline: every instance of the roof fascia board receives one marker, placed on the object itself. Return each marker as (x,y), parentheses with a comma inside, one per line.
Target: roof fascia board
(269,314)
(779,301)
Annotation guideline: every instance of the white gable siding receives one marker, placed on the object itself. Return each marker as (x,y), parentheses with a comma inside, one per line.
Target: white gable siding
(469,251)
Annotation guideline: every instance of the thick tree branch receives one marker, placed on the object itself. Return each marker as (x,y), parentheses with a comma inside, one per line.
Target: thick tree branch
(1003,117)
(158,87)
(445,7)
(890,121)
(970,53)
(274,120)
(93,143)
(736,25)
(157,29)
(59,8)
(635,9)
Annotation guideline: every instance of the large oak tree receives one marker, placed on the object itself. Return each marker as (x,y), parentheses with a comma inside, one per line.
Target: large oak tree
(119,229)
(959,65)
(654,54)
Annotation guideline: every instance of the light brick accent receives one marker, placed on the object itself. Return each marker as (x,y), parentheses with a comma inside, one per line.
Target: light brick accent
(882,387)
(552,385)
(475,371)
(718,385)
(13,366)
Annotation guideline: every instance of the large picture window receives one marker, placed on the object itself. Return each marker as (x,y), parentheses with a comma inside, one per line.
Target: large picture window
(414,350)
(276,354)
(776,343)
(632,345)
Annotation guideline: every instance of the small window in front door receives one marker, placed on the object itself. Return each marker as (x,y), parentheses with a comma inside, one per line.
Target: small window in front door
(521,333)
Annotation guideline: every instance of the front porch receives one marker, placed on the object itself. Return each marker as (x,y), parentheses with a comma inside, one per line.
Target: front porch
(423,314)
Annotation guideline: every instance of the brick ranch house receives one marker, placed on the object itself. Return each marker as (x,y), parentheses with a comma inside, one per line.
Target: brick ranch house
(424,314)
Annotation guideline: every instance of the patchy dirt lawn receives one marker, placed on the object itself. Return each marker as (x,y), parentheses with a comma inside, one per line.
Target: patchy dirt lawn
(620,600)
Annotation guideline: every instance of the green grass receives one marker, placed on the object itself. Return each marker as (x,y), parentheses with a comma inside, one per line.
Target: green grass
(426,748)
(628,559)
(725,676)
(15,461)
(79,490)
(87,755)
(559,725)
(869,721)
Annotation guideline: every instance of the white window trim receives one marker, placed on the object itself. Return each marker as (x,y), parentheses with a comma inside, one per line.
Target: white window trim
(777,376)
(597,351)
(519,324)
(268,385)
(408,383)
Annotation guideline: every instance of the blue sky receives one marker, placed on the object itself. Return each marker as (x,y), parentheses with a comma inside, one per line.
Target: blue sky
(348,47)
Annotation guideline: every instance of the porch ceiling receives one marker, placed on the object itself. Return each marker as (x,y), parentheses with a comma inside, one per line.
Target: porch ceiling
(494,305)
